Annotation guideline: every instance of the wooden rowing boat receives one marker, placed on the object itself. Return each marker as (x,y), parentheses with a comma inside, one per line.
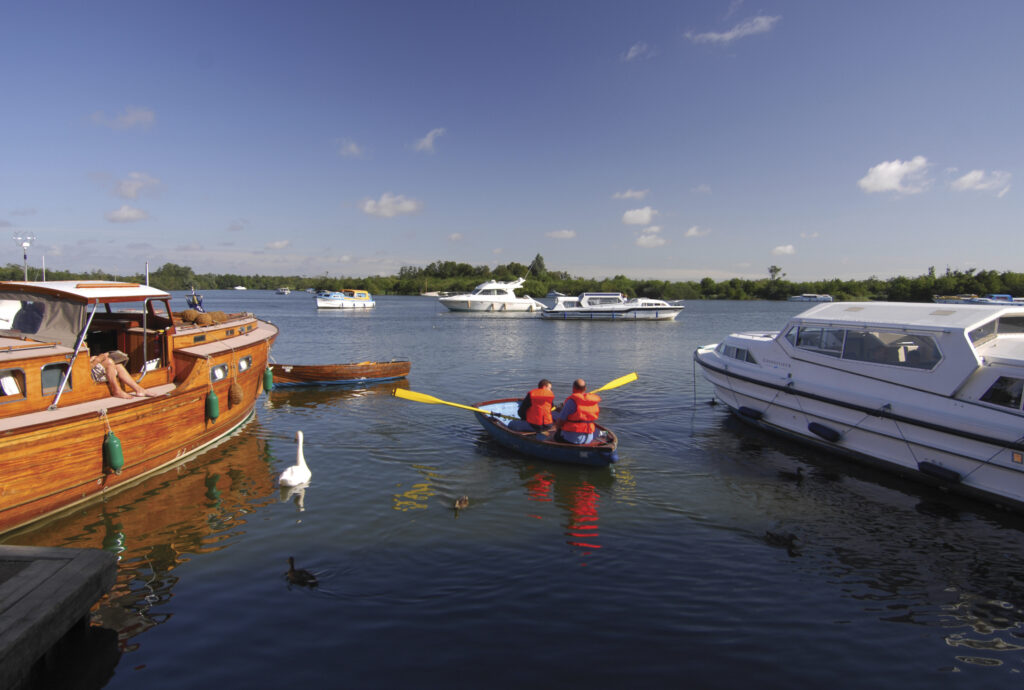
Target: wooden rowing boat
(598,454)
(338,374)
(64,437)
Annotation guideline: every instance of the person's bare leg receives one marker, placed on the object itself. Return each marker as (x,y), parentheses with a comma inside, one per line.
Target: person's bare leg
(125,377)
(112,375)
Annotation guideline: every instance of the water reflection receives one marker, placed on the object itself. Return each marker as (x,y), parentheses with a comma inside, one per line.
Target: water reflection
(195,507)
(577,493)
(315,397)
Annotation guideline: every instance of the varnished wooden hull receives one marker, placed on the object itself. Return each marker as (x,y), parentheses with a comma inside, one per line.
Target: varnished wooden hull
(55,460)
(338,374)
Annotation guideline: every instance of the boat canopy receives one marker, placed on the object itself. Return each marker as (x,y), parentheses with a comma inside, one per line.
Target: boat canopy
(56,310)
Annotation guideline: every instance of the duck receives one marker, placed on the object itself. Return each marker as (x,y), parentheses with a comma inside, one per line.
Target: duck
(461,502)
(298,576)
(298,473)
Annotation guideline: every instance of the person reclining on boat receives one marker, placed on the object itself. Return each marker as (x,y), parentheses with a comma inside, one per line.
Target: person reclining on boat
(576,420)
(109,367)
(535,410)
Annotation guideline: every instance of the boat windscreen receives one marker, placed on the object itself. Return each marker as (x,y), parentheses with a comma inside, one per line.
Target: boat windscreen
(42,317)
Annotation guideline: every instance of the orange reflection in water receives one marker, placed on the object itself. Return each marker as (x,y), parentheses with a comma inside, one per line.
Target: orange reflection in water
(579,497)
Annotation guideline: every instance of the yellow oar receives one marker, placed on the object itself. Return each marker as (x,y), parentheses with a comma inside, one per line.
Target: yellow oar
(431,400)
(621,381)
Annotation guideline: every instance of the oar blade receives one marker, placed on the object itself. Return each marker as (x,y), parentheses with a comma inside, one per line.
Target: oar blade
(417,397)
(621,381)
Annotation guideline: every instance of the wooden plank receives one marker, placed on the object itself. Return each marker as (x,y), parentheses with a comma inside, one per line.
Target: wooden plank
(41,600)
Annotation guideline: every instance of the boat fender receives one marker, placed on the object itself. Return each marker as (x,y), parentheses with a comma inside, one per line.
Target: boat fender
(826,432)
(212,406)
(750,412)
(268,380)
(939,472)
(113,456)
(234,394)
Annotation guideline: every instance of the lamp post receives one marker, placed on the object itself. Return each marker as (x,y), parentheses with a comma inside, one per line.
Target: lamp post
(24,241)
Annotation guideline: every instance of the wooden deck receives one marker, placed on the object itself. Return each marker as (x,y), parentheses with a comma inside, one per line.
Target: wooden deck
(44,592)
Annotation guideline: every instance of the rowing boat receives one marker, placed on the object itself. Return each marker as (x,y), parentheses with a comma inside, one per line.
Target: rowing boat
(597,454)
(338,374)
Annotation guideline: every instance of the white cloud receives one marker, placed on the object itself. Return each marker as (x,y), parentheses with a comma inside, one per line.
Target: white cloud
(649,238)
(784,249)
(808,235)
(562,234)
(390,205)
(130,187)
(427,143)
(750,27)
(455,236)
(131,117)
(896,176)
(349,149)
(702,189)
(637,51)
(278,244)
(977,180)
(631,194)
(126,214)
(639,216)
(695,231)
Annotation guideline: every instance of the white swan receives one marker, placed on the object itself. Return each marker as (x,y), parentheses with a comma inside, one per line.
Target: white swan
(299,472)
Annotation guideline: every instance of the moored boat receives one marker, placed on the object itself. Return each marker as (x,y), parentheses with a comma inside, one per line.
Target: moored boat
(66,438)
(929,391)
(494,296)
(284,291)
(974,299)
(598,454)
(810,297)
(611,306)
(344,299)
(339,374)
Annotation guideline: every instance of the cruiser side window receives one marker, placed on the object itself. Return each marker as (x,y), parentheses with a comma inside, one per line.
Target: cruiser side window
(899,349)
(827,341)
(1006,391)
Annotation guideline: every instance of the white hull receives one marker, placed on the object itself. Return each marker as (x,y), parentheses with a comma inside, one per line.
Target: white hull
(883,413)
(638,314)
(325,303)
(462,303)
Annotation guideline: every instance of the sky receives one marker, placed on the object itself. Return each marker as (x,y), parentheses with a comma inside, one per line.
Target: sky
(655,139)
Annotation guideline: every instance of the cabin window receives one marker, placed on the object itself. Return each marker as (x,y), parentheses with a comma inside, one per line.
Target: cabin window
(899,349)
(827,341)
(12,384)
(1006,391)
(52,375)
(1011,324)
(983,332)
(219,372)
(740,353)
(791,335)
(245,363)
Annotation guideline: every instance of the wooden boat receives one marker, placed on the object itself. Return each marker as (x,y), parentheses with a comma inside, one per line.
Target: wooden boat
(597,454)
(338,374)
(64,438)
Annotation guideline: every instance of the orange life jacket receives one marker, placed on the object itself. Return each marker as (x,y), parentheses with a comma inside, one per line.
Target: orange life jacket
(539,412)
(587,410)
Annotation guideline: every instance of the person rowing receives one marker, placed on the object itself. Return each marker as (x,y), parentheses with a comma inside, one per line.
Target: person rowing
(535,410)
(576,421)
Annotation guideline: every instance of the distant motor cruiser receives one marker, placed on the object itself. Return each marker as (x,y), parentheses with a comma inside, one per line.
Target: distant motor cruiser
(493,296)
(611,306)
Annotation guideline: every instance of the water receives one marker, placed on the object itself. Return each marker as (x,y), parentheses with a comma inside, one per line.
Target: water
(699,559)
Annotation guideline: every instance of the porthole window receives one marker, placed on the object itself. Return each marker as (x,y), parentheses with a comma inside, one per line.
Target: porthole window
(219,372)
(12,384)
(245,363)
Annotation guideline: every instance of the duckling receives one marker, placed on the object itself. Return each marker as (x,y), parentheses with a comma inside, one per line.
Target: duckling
(461,502)
(299,472)
(298,576)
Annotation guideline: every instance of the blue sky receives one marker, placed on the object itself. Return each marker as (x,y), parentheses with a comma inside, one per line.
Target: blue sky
(672,140)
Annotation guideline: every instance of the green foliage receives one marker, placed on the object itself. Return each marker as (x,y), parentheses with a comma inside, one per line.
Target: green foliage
(462,277)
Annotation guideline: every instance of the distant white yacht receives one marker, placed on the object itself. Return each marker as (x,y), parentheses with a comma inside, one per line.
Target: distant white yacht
(493,296)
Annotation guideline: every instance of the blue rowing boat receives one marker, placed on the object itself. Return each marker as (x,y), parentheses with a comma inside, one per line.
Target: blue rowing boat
(600,453)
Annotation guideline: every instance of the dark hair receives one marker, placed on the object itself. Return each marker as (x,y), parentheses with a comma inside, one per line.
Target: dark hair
(543,382)
(579,385)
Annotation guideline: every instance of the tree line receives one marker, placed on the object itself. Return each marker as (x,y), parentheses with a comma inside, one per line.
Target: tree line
(451,276)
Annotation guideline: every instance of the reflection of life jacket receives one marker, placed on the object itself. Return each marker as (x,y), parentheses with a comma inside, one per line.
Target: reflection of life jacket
(582,420)
(539,412)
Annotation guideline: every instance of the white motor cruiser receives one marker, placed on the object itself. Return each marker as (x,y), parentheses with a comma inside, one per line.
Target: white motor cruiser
(611,306)
(930,391)
(493,297)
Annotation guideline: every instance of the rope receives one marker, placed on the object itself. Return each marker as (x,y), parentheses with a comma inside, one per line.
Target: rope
(103,416)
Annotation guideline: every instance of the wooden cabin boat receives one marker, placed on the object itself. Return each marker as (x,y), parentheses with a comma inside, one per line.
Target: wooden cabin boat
(63,434)
(339,374)
(598,454)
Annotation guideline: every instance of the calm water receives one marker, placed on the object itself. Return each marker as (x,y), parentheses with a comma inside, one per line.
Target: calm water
(656,573)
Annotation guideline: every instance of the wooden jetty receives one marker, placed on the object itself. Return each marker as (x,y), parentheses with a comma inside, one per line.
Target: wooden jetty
(44,592)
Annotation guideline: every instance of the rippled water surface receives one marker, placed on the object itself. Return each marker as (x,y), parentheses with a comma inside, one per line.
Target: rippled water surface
(702,559)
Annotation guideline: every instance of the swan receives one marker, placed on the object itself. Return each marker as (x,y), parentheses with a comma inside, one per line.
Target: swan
(298,576)
(298,473)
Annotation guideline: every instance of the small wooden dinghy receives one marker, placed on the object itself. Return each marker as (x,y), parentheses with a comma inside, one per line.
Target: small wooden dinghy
(339,374)
(597,454)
